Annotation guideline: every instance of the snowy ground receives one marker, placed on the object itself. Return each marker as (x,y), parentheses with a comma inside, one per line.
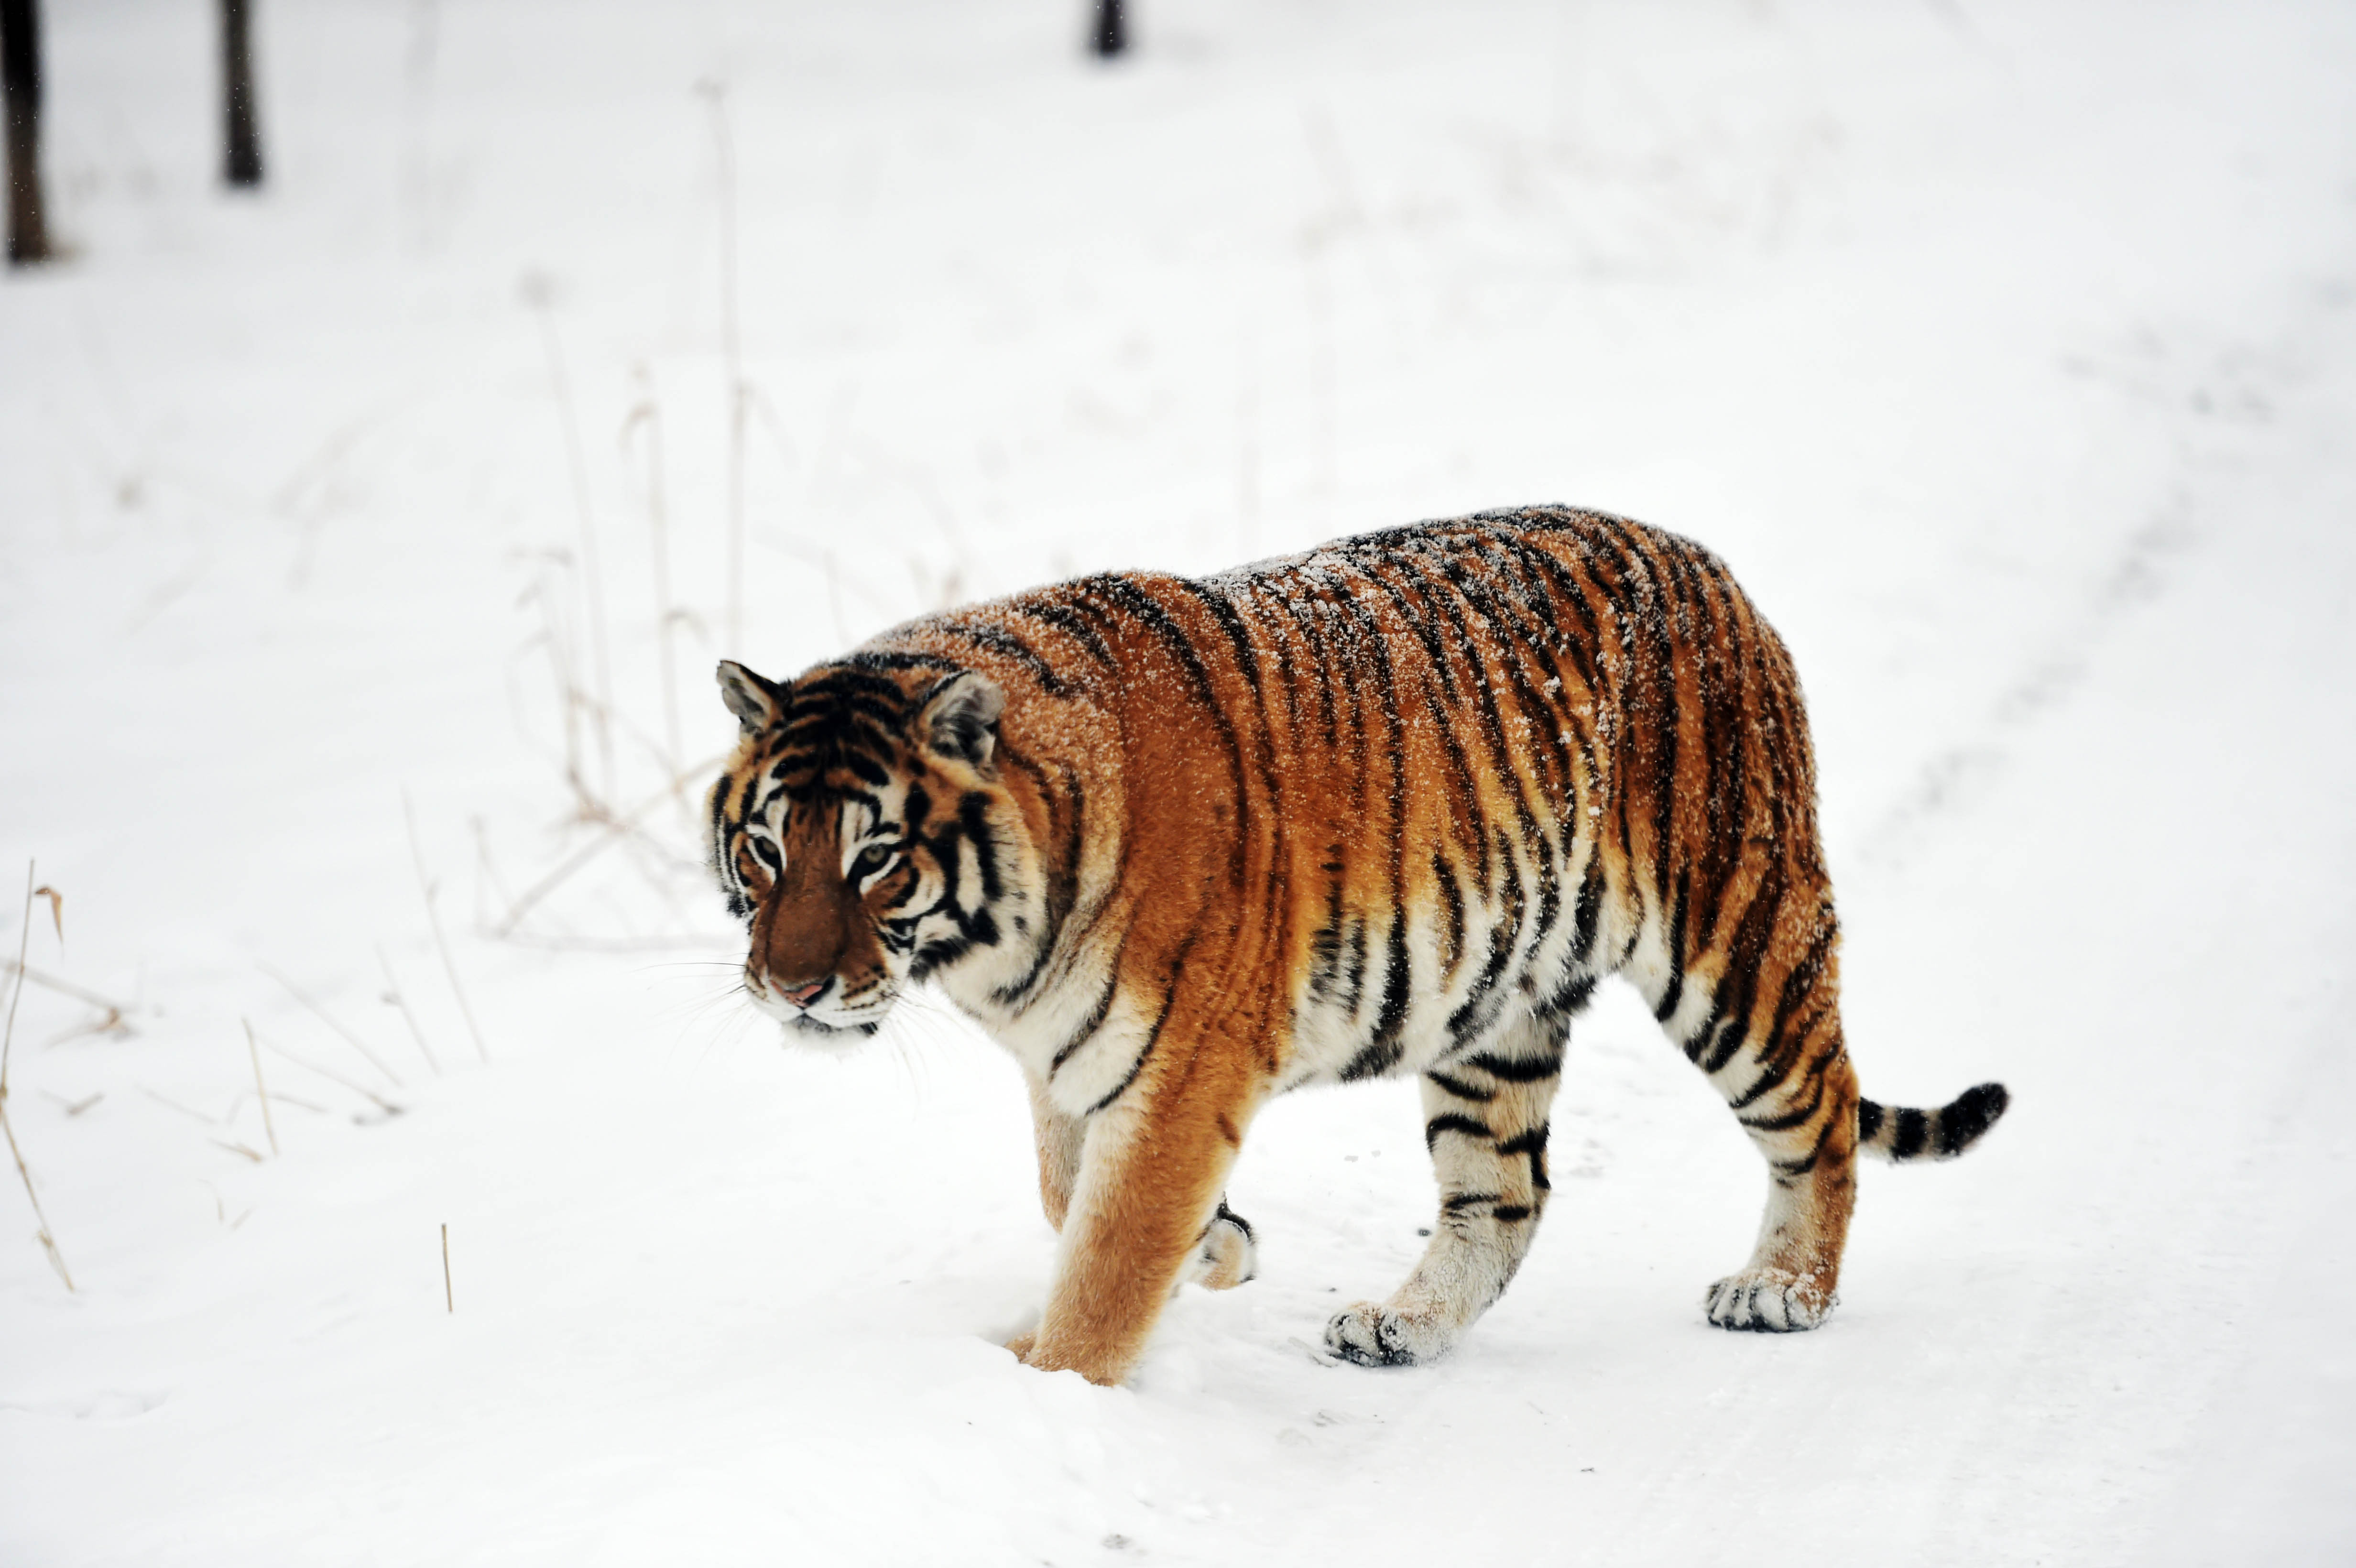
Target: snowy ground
(2007,351)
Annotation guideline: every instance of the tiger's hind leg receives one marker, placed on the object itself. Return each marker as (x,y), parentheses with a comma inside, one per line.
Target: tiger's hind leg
(1785,1074)
(1486,1122)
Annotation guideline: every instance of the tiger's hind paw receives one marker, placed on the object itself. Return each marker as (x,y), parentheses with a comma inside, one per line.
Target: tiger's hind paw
(1768,1301)
(1375,1335)
(1228,1256)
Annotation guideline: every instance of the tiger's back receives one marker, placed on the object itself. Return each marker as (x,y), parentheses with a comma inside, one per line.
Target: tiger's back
(1467,766)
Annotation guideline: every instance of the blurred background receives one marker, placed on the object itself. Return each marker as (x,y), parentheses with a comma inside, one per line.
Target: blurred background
(389,450)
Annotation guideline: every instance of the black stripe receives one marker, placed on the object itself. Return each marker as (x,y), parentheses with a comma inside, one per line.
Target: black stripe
(1791,1119)
(1451,898)
(1974,1111)
(1480,1008)
(1132,598)
(1587,910)
(1913,1131)
(1568,1000)
(1093,1022)
(1460,1089)
(1808,1163)
(1514,1069)
(998,640)
(1383,1053)
(1451,1123)
(1153,1036)
(1529,1141)
(1070,621)
(1675,990)
(973,818)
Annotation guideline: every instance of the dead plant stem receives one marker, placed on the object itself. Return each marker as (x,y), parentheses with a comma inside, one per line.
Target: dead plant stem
(393,995)
(325,1017)
(732,358)
(593,577)
(260,1089)
(650,412)
(7,1041)
(381,1104)
(618,828)
(427,887)
(67,988)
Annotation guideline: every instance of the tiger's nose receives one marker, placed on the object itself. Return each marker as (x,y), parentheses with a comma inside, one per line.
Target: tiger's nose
(802,996)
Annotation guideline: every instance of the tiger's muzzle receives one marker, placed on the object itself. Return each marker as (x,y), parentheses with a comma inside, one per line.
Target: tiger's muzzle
(814,962)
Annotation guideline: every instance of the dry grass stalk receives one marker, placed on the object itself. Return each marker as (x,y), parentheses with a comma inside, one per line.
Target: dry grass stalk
(110,1024)
(427,887)
(568,695)
(280,1099)
(220,1209)
(680,942)
(647,412)
(328,1019)
(235,1148)
(618,828)
(732,351)
(75,1107)
(254,1050)
(571,700)
(8,1042)
(449,1301)
(113,1010)
(171,1105)
(393,994)
(486,871)
(541,295)
(381,1104)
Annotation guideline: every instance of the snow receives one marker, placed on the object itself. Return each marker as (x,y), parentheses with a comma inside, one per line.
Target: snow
(2007,352)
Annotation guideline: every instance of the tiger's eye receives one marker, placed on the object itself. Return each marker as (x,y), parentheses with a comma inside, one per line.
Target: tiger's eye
(871,860)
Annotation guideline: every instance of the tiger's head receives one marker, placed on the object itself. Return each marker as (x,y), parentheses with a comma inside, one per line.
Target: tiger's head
(863,834)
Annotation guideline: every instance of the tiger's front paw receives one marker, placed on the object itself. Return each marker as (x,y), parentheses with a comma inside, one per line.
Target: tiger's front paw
(1228,1256)
(1375,1335)
(1768,1301)
(1021,1345)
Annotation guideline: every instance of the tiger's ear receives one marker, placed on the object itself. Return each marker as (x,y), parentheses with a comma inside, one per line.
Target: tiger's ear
(755,702)
(960,719)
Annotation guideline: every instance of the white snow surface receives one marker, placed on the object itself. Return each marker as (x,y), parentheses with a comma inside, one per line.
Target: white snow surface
(2007,352)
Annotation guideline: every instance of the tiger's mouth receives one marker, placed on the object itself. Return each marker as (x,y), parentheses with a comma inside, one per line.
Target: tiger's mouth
(808,1030)
(829,1017)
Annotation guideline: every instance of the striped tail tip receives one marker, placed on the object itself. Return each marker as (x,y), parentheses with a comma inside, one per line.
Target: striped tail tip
(1901,1134)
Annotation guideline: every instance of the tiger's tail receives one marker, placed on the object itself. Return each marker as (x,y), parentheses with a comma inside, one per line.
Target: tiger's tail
(1903,1134)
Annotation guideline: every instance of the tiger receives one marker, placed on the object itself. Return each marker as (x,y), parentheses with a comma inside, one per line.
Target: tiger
(1392,807)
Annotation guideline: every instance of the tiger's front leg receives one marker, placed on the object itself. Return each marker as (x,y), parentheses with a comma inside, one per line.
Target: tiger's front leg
(1486,1122)
(1145,1207)
(1059,1137)
(1225,1254)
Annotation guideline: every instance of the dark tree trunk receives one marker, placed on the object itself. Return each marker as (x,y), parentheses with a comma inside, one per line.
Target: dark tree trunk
(20,70)
(242,163)
(1112,35)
